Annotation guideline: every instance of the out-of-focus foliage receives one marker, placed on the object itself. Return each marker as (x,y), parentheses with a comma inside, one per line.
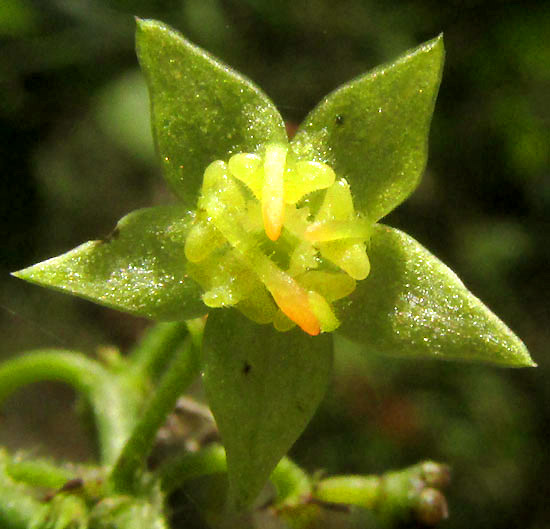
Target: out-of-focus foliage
(75,156)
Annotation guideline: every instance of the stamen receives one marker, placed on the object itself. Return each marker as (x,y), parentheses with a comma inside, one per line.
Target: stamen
(338,203)
(225,247)
(248,169)
(337,229)
(202,240)
(321,309)
(349,256)
(305,178)
(273,206)
(330,285)
(293,301)
(259,305)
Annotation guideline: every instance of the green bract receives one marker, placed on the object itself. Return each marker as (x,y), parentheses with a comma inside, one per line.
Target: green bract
(285,231)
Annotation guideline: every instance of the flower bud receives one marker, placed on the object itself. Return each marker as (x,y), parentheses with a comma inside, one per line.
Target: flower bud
(435,474)
(431,507)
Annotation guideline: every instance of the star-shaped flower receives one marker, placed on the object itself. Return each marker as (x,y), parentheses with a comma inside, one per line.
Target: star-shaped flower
(286,232)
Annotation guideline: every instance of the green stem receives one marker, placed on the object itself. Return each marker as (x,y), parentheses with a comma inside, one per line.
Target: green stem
(291,482)
(363,491)
(398,495)
(113,411)
(209,460)
(181,372)
(150,357)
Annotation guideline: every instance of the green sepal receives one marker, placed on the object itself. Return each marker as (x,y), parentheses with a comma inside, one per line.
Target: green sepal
(374,130)
(201,110)
(139,268)
(413,305)
(263,386)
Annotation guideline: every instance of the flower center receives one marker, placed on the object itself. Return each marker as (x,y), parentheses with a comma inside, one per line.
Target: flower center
(278,239)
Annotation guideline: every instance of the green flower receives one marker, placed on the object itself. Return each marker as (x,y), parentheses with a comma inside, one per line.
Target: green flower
(286,232)
(265,250)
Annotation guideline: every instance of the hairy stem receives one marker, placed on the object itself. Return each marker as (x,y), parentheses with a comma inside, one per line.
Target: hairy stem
(114,410)
(180,373)
(399,495)
(363,491)
(291,483)
(150,357)
(209,460)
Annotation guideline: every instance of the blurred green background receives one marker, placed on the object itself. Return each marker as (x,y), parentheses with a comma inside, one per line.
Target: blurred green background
(76,155)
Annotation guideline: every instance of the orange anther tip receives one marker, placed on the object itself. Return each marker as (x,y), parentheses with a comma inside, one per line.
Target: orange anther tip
(296,307)
(273,231)
(273,215)
(307,322)
(313,332)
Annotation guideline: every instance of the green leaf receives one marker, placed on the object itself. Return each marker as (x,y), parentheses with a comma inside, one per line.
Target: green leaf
(412,305)
(263,386)
(202,110)
(374,130)
(139,268)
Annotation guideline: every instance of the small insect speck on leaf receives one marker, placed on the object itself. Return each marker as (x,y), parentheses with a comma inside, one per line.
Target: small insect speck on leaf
(246,368)
(339,119)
